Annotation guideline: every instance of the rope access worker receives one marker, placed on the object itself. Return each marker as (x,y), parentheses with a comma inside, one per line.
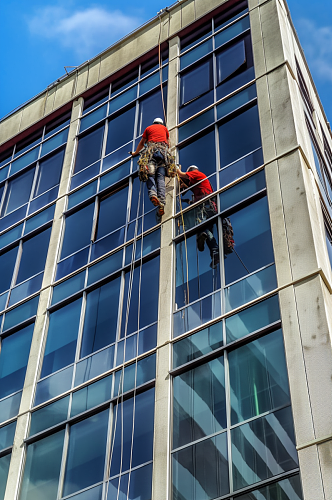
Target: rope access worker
(156,139)
(201,187)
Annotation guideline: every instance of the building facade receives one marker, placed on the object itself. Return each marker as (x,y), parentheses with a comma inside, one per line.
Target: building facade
(132,366)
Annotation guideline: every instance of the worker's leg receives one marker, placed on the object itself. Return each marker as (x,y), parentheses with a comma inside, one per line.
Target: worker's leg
(152,189)
(161,189)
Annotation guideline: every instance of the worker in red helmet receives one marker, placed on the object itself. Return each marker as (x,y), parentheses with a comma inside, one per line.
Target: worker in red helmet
(201,187)
(156,139)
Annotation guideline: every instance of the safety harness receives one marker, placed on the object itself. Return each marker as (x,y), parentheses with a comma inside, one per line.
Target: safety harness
(152,156)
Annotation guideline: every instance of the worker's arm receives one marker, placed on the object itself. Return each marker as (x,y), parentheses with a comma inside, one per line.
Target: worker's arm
(182,175)
(139,147)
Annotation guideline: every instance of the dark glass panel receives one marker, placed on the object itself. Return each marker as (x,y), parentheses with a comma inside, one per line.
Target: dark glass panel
(6,156)
(101,317)
(94,365)
(85,175)
(91,396)
(82,194)
(27,288)
(61,338)
(200,471)
(77,230)
(241,167)
(149,108)
(93,118)
(95,100)
(72,263)
(143,428)
(39,219)
(12,218)
(196,82)
(18,192)
(122,100)
(107,244)
(120,130)
(55,142)
(230,61)
(263,448)
(9,237)
(57,124)
(49,173)
(4,468)
(234,30)
(33,256)
(197,345)
(89,148)
(124,82)
(196,105)
(195,36)
(252,236)
(242,190)
(140,484)
(10,406)
(147,339)
(286,489)
(135,210)
(199,404)
(230,15)
(201,153)
(105,267)
(112,212)
(236,101)
(23,161)
(7,263)
(49,416)
(27,143)
(252,319)
(258,377)
(86,453)
(246,126)
(13,360)
(68,287)
(43,200)
(20,313)
(7,436)
(196,125)
(54,385)
(146,369)
(42,468)
(114,175)
(91,494)
(195,54)
(237,81)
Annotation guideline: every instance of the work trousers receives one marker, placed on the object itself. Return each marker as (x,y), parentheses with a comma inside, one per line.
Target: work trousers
(156,184)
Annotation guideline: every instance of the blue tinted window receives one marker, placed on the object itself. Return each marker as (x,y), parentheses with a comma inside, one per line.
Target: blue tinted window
(112,212)
(89,148)
(120,130)
(18,192)
(82,194)
(61,338)
(100,319)
(21,313)
(246,126)
(13,360)
(7,436)
(77,230)
(253,244)
(229,61)
(196,82)
(195,36)
(55,142)
(201,153)
(7,263)
(33,257)
(49,415)
(149,108)
(4,468)
(94,117)
(49,173)
(196,54)
(42,468)
(25,160)
(68,287)
(123,99)
(54,385)
(234,30)
(86,453)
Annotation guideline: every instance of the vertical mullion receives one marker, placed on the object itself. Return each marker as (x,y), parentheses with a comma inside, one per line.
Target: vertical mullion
(107,464)
(4,194)
(63,462)
(228,420)
(80,331)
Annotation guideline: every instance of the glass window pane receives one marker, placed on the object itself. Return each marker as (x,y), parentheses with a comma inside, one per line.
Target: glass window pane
(105,267)
(7,436)
(89,148)
(112,212)
(286,489)
(123,99)
(33,258)
(196,125)
(229,16)
(196,82)
(86,453)
(82,194)
(140,484)
(234,30)
(91,396)
(201,152)
(77,230)
(120,130)
(263,448)
(55,142)
(68,287)
(4,468)
(85,175)
(199,405)
(201,471)
(21,313)
(230,61)
(28,142)
(93,118)
(94,365)
(246,126)
(72,263)
(18,192)
(146,369)
(54,385)
(25,160)
(9,407)
(7,263)
(252,319)
(57,124)
(49,173)
(48,416)
(124,82)
(236,101)
(100,323)
(149,108)
(196,54)
(39,219)
(196,105)
(115,175)
(91,494)
(42,468)
(241,167)
(197,345)
(95,100)
(252,236)
(242,190)
(13,360)
(61,338)
(258,377)
(196,36)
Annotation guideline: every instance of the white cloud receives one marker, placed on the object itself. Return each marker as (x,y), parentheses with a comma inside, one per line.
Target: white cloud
(86,31)
(317,45)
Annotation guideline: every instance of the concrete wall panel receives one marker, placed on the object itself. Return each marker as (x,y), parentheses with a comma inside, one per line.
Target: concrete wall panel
(33,112)
(49,105)
(257,43)
(265,117)
(10,126)
(93,74)
(82,80)
(65,91)
(203,7)
(188,12)
(271,35)
(325,458)
(175,22)
(310,474)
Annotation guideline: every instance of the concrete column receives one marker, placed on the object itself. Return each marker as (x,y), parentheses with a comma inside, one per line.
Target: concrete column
(302,264)
(162,438)
(40,328)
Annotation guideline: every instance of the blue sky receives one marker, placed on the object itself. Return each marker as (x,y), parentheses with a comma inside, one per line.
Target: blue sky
(39,38)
